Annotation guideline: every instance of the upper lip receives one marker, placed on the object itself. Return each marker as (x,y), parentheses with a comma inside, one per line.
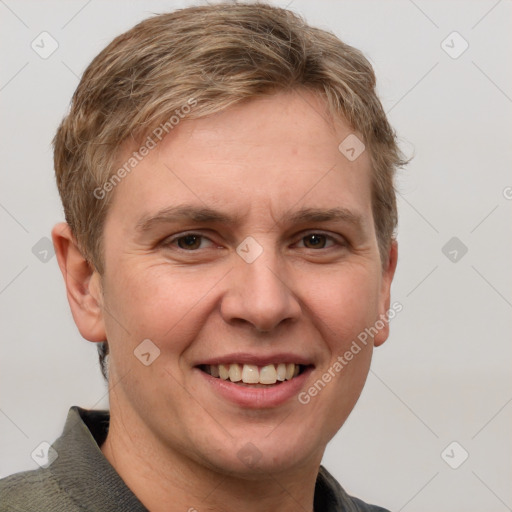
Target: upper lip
(257,359)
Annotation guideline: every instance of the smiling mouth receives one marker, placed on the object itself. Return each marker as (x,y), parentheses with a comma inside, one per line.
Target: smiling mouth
(253,375)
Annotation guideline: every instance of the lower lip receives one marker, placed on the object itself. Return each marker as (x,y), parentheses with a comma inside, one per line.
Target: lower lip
(257,398)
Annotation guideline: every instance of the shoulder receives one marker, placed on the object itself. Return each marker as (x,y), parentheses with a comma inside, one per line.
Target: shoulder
(34,490)
(330,496)
(361,506)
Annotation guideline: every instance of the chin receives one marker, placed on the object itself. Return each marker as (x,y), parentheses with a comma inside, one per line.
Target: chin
(251,457)
(255,465)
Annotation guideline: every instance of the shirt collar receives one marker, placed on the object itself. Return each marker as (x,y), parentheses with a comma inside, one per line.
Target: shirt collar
(82,469)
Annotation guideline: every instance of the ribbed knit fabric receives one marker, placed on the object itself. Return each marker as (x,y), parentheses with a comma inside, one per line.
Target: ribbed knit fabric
(81,478)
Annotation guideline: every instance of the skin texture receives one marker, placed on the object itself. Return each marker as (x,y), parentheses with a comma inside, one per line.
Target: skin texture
(173,437)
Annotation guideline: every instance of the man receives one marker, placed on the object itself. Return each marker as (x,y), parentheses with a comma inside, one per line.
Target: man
(227,178)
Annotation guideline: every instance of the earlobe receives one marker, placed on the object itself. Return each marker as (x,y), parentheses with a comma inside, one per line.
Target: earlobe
(385,294)
(83,285)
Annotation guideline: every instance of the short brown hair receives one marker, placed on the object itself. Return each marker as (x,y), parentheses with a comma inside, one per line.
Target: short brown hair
(216,55)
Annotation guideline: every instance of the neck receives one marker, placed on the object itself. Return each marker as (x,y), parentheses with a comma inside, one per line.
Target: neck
(160,476)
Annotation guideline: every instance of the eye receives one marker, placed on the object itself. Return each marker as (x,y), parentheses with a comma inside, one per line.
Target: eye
(188,242)
(318,241)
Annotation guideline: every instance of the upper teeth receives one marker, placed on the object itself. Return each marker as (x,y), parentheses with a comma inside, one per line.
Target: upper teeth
(252,374)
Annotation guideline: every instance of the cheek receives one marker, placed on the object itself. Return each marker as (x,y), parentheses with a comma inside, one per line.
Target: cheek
(343,303)
(346,305)
(341,309)
(158,303)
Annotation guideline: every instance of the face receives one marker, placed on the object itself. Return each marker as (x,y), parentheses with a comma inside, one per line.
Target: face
(245,239)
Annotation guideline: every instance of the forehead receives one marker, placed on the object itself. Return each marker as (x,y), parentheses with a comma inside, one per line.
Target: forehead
(270,154)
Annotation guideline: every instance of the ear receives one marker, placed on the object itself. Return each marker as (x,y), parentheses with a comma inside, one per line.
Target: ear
(385,294)
(83,284)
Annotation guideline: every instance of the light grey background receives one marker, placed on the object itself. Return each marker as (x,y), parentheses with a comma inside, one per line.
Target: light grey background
(445,373)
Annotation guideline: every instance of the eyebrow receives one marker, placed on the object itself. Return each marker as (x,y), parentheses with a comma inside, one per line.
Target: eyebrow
(325,215)
(183,213)
(208,215)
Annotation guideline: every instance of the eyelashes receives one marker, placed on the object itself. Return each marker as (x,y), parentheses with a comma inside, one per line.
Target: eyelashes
(194,241)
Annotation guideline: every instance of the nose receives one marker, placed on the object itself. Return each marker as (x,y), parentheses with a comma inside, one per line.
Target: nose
(260,294)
